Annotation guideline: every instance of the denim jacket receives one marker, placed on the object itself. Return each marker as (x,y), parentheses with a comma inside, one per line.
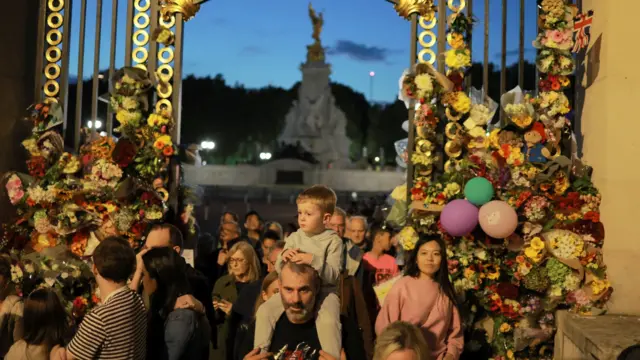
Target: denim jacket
(186,335)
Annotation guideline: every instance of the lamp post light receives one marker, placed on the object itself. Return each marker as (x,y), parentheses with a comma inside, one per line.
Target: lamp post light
(265,156)
(207,145)
(96,123)
(372,74)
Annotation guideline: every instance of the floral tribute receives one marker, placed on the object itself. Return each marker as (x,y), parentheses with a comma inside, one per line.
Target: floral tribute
(68,203)
(535,244)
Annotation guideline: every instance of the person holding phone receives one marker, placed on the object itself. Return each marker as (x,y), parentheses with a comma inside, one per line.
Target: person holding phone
(244,269)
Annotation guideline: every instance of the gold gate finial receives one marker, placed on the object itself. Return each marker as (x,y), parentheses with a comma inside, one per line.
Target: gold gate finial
(188,8)
(424,8)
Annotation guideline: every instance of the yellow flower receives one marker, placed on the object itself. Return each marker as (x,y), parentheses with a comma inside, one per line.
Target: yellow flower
(456,40)
(129,103)
(533,254)
(468,273)
(537,243)
(157,120)
(505,327)
(493,275)
(494,138)
(424,83)
(510,354)
(162,141)
(598,286)
(462,105)
(452,189)
(32,147)
(457,59)
(110,207)
(400,193)
(126,117)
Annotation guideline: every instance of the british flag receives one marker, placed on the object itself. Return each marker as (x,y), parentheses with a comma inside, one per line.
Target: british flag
(581,25)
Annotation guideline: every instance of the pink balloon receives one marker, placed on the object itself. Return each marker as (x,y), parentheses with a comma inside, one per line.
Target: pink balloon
(459,217)
(498,219)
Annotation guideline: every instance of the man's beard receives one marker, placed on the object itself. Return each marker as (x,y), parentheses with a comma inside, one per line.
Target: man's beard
(297,311)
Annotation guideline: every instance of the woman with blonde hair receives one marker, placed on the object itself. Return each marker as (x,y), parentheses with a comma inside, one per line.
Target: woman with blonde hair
(243,343)
(401,341)
(244,269)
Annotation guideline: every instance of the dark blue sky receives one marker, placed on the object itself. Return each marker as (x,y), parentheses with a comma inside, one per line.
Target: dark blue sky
(257,43)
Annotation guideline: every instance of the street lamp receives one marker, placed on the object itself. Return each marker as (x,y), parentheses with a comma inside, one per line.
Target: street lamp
(265,155)
(207,145)
(97,124)
(372,74)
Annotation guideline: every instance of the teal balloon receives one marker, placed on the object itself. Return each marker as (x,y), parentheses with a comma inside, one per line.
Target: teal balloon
(478,191)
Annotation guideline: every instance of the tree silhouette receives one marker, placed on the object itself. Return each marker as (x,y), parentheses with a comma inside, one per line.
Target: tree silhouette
(243,122)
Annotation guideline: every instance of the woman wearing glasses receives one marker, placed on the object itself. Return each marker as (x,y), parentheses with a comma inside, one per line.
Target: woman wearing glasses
(244,268)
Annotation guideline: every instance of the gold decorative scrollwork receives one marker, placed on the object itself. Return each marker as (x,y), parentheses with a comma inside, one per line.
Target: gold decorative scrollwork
(52,71)
(141,34)
(462,4)
(54,37)
(51,88)
(188,8)
(140,55)
(164,104)
(427,54)
(55,19)
(141,37)
(432,38)
(165,55)
(53,7)
(165,72)
(424,8)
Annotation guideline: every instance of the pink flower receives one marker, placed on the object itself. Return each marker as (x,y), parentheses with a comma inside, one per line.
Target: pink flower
(555,36)
(16,196)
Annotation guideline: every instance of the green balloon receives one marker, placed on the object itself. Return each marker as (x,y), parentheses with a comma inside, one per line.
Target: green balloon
(478,191)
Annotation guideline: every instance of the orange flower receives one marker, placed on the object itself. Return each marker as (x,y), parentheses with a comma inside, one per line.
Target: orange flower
(159,145)
(168,151)
(555,86)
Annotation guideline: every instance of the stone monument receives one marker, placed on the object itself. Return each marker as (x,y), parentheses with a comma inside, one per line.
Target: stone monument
(314,121)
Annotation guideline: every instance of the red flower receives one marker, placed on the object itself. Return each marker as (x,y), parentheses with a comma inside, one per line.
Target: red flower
(79,303)
(507,290)
(593,216)
(138,229)
(37,166)
(124,153)
(457,79)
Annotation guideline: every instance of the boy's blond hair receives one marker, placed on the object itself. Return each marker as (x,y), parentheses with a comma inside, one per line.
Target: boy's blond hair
(320,195)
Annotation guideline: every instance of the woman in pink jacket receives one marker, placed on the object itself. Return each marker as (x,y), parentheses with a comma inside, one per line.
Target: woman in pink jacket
(425,297)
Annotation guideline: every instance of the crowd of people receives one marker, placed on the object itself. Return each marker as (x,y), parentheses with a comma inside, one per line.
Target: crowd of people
(261,292)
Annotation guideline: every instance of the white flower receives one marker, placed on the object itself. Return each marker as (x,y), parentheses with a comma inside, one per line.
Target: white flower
(64,275)
(16,274)
(481,254)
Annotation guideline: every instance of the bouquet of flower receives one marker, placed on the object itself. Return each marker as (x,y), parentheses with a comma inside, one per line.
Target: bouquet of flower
(555,62)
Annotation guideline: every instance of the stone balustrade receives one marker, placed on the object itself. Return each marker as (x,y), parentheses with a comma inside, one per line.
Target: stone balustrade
(594,337)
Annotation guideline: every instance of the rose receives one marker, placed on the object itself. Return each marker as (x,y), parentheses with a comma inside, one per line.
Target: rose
(124,153)
(507,290)
(37,166)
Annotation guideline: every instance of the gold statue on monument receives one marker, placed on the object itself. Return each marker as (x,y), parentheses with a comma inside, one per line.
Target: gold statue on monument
(317,21)
(315,52)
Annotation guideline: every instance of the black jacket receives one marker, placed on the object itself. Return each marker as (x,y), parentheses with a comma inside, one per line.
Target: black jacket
(201,289)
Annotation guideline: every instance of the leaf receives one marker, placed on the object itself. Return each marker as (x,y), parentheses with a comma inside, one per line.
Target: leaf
(549,225)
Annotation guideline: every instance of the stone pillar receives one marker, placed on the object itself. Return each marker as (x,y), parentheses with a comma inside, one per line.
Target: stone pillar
(18,34)
(611,133)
